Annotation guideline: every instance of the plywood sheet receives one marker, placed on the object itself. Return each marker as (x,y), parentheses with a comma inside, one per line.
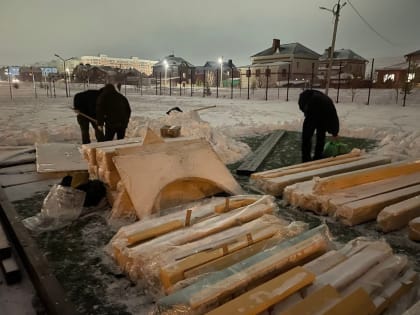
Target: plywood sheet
(154,167)
(59,157)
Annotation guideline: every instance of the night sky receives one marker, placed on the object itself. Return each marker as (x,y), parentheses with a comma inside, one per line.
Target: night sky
(199,30)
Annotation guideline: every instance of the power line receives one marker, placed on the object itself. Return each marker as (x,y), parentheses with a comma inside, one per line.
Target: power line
(370,26)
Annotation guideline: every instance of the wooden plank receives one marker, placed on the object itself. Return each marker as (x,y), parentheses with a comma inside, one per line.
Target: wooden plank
(343,274)
(48,288)
(89,150)
(394,290)
(335,199)
(307,166)
(175,271)
(325,262)
(398,215)
(314,303)
(5,249)
(59,157)
(220,285)
(202,228)
(413,310)
(266,295)
(357,302)
(147,234)
(275,186)
(230,259)
(254,160)
(414,229)
(279,261)
(32,177)
(16,155)
(375,278)
(364,210)
(372,174)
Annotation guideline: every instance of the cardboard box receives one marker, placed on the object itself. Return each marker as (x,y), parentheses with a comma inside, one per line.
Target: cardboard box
(170,131)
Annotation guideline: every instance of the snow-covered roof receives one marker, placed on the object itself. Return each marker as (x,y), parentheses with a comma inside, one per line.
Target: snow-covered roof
(343,54)
(295,49)
(270,64)
(173,61)
(398,66)
(216,65)
(414,53)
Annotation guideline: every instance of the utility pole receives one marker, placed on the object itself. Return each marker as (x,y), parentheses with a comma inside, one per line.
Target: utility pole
(336,12)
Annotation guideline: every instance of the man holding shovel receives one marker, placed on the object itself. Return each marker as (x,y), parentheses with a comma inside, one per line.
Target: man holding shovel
(84,103)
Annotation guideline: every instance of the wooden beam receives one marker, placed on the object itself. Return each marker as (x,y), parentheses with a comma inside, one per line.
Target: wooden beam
(334,200)
(372,174)
(314,303)
(254,160)
(357,302)
(364,210)
(414,229)
(398,215)
(307,166)
(266,295)
(220,285)
(275,186)
(289,231)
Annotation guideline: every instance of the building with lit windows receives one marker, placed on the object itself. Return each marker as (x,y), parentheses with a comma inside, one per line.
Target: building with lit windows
(141,65)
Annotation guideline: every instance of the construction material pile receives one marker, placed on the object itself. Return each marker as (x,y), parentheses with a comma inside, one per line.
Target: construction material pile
(233,256)
(388,193)
(145,176)
(354,188)
(274,181)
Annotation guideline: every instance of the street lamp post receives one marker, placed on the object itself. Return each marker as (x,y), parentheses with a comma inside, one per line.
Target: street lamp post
(165,63)
(65,73)
(221,71)
(336,12)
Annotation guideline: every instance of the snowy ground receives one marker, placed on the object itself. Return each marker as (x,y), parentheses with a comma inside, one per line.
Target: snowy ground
(25,119)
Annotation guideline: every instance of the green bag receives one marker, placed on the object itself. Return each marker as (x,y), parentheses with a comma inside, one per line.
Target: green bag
(334,148)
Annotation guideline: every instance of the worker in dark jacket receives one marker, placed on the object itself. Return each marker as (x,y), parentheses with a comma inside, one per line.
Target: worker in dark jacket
(320,115)
(113,111)
(84,103)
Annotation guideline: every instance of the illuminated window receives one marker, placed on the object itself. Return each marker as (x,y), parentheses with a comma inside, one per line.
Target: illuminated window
(389,76)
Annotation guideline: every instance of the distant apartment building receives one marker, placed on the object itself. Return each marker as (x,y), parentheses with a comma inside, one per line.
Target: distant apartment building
(141,65)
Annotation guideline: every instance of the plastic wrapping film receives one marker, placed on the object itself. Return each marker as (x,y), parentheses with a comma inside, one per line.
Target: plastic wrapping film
(197,231)
(165,261)
(127,243)
(355,266)
(218,287)
(300,195)
(414,309)
(284,232)
(200,210)
(354,275)
(376,277)
(399,294)
(60,207)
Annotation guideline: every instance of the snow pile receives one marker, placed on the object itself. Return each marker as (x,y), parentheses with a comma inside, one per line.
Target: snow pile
(400,145)
(228,149)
